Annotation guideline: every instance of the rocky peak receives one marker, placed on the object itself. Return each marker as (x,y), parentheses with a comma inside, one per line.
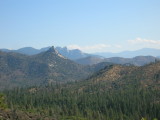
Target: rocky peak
(52,50)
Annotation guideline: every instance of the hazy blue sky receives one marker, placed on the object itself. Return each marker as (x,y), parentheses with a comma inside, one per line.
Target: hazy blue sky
(90,25)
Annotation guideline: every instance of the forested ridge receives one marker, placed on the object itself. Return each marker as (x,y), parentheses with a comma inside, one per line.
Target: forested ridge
(61,102)
(133,94)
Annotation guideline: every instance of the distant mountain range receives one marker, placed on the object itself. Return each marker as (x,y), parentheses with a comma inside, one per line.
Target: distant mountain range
(131,54)
(77,54)
(27,50)
(137,61)
(138,57)
(71,54)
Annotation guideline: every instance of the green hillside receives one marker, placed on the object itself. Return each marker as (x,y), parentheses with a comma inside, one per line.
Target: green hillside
(114,93)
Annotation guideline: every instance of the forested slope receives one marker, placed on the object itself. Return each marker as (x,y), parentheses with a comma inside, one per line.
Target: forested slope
(115,93)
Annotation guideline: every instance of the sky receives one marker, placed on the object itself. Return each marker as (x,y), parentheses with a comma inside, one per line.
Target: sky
(88,25)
